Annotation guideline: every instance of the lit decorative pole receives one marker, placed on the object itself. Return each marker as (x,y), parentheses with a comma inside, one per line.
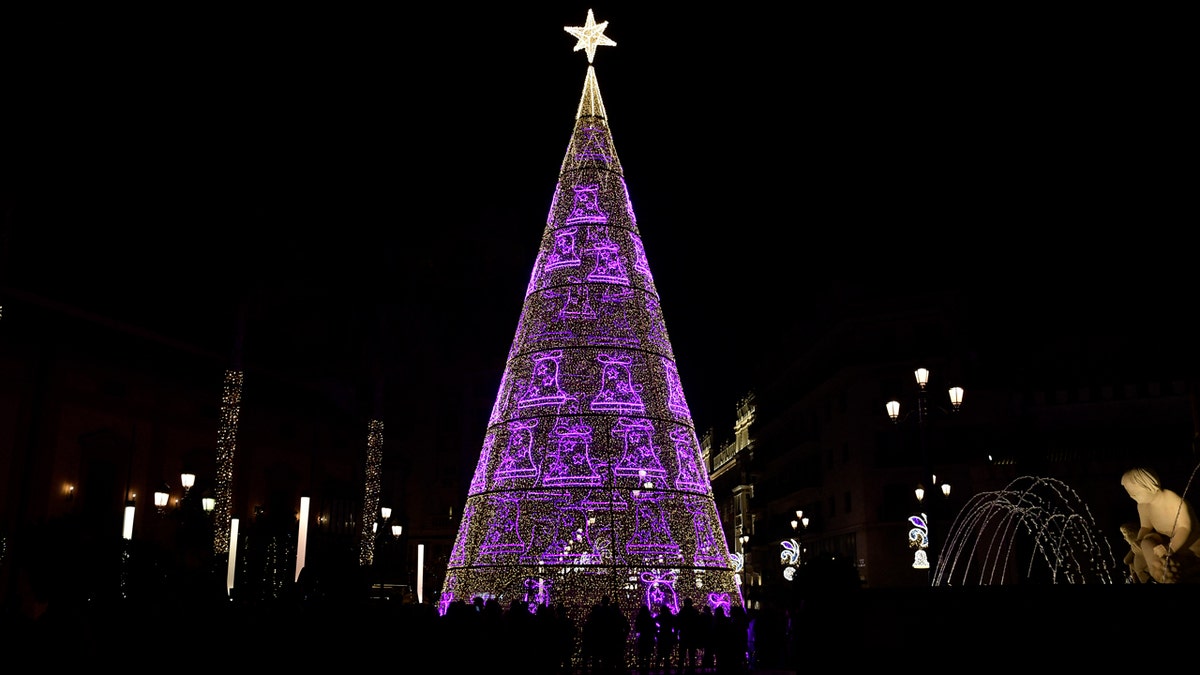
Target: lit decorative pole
(231,404)
(792,554)
(591,481)
(231,564)
(302,536)
(372,481)
(420,573)
(919,538)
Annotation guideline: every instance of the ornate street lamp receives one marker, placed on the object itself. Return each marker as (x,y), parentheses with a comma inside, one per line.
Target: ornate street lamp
(955,394)
(162,497)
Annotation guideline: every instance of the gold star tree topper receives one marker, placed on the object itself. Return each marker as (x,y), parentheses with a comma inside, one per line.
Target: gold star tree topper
(591,35)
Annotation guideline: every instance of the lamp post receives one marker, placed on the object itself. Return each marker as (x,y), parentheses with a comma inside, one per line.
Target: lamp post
(800,526)
(744,543)
(792,555)
(919,537)
(384,524)
(162,497)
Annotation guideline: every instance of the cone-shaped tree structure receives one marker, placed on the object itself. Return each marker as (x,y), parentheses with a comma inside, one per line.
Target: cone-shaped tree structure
(591,481)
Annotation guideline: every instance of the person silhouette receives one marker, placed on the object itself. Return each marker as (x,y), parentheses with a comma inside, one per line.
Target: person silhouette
(646,631)
(690,635)
(668,638)
(605,632)
(705,628)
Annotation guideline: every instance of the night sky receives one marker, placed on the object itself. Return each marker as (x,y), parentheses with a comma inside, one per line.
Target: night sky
(335,173)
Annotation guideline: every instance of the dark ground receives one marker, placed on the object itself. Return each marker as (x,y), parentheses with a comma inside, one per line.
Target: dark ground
(985,628)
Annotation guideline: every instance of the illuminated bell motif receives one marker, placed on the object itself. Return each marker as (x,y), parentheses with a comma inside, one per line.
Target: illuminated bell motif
(651,533)
(617,392)
(639,458)
(568,460)
(543,387)
(517,458)
(565,253)
(686,454)
(708,549)
(675,399)
(608,266)
(587,206)
(503,534)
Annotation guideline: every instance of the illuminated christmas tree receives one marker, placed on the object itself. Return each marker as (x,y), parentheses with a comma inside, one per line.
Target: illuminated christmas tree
(591,480)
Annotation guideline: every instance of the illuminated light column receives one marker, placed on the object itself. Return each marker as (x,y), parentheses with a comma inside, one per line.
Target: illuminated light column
(126,537)
(420,573)
(372,480)
(302,537)
(231,402)
(591,480)
(127,524)
(231,566)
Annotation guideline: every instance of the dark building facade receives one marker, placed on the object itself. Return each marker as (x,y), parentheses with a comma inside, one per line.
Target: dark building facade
(814,436)
(96,414)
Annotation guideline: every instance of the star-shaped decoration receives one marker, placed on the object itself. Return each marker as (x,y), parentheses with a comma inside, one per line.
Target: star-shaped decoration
(591,35)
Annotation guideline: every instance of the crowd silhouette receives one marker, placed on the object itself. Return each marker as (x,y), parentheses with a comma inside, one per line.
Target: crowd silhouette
(315,618)
(562,639)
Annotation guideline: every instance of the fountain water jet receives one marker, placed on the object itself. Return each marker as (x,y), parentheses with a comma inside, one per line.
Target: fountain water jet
(982,543)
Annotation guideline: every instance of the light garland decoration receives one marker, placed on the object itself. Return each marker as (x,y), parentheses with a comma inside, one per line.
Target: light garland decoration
(918,539)
(372,482)
(789,557)
(231,405)
(591,480)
